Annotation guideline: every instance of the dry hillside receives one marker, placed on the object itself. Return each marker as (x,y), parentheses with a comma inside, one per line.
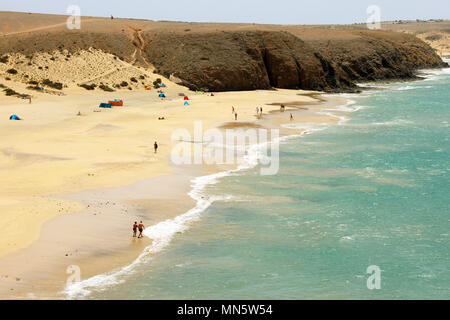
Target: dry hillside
(205,56)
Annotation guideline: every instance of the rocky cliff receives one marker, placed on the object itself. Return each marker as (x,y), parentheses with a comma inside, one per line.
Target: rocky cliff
(260,60)
(229,57)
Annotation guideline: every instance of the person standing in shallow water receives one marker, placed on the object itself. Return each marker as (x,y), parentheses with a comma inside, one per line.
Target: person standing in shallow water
(155,146)
(141,229)
(135,228)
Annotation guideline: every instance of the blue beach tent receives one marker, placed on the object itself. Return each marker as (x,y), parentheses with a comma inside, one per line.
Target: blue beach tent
(162,95)
(186,103)
(14,117)
(105,105)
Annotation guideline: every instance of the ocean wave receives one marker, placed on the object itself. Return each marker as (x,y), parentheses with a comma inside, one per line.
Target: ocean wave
(432,74)
(396,122)
(405,88)
(342,119)
(307,127)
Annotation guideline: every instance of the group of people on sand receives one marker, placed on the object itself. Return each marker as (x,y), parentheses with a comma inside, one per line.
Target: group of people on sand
(259,112)
(137,227)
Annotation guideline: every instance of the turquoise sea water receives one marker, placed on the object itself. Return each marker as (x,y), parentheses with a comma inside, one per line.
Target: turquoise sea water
(373,190)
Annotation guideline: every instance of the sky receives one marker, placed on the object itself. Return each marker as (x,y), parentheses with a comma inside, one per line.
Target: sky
(250,11)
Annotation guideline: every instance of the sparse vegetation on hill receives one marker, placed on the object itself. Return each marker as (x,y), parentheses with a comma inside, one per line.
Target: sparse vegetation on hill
(12,71)
(35,87)
(157,83)
(434,37)
(51,84)
(88,86)
(106,88)
(10,92)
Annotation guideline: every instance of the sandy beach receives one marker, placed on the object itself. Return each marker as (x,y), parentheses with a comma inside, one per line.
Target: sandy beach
(73,185)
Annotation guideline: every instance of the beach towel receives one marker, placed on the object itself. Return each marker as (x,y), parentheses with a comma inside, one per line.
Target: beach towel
(116,103)
(105,105)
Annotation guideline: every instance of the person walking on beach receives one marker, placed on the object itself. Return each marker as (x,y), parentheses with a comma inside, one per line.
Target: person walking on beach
(135,228)
(141,229)
(155,146)
(292,117)
(235,116)
(232,110)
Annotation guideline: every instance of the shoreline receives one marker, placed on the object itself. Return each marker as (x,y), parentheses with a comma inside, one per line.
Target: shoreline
(93,253)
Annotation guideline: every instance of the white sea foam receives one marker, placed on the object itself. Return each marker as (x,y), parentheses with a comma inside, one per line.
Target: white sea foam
(405,88)
(342,119)
(396,122)
(310,127)
(432,74)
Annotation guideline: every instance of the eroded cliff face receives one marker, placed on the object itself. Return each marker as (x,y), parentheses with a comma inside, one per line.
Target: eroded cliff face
(377,56)
(237,60)
(223,61)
